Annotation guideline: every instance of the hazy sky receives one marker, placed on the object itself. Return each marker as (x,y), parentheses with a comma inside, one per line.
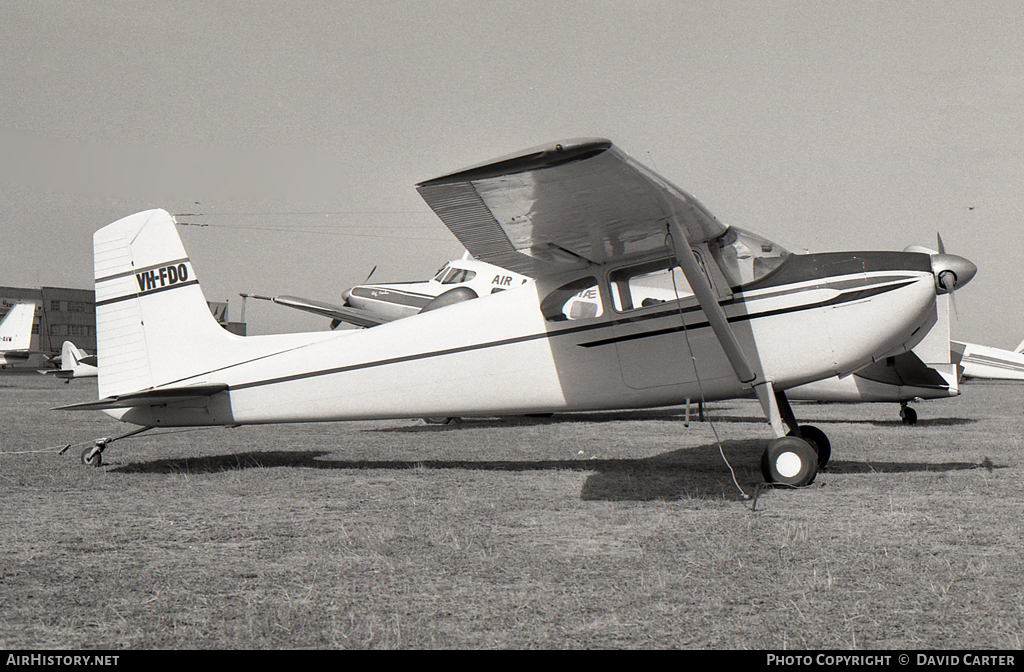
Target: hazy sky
(296,130)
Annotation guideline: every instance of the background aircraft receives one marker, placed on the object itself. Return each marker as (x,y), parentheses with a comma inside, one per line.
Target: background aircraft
(926,372)
(16,334)
(575,215)
(368,305)
(74,363)
(979,361)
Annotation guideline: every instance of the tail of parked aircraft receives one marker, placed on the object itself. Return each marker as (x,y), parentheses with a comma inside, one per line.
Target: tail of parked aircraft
(154,329)
(153,325)
(16,327)
(70,355)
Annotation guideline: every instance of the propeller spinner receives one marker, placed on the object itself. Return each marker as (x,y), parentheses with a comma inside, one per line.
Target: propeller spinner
(951,271)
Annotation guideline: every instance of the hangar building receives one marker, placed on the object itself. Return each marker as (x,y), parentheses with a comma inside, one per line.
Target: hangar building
(62,314)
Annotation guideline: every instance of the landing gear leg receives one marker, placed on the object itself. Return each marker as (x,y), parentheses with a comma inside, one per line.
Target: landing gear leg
(907,414)
(791,458)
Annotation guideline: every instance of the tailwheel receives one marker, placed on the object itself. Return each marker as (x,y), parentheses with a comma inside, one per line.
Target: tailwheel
(93,455)
(789,460)
(908,414)
(818,441)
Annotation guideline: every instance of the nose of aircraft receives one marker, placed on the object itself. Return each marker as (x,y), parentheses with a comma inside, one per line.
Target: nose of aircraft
(951,272)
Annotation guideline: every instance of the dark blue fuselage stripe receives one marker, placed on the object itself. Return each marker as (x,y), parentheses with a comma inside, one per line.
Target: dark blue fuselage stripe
(842,298)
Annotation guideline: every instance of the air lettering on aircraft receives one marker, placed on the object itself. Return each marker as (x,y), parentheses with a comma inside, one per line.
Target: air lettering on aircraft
(162,277)
(502,280)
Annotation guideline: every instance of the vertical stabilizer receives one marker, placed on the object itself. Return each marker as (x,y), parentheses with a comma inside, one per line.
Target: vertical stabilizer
(1020,348)
(67,356)
(153,325)
(16,328)
(71,356)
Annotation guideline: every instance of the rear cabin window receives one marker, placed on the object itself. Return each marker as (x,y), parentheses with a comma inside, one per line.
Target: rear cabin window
(577,300)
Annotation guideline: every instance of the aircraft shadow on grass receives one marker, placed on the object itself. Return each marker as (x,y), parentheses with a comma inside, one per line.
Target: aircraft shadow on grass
(661,415)
(896,422)
(686,473)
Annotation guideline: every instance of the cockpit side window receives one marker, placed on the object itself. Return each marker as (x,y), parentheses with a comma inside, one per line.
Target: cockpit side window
(648,284)
(577,300)
(745,257)
(458,275)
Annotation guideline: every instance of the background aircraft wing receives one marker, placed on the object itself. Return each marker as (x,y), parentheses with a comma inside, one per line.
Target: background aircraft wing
(360,318)
(563,205)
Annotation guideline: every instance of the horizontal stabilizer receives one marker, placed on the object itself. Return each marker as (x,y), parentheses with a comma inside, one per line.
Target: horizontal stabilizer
(60,373)
(158,397)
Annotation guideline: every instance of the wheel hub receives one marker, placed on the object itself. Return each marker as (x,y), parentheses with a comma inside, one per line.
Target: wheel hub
(788,464)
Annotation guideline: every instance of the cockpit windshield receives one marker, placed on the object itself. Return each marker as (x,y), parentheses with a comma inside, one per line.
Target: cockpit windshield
(745,257)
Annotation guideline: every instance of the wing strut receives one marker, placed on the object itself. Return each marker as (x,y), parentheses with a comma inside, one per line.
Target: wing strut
(766,394)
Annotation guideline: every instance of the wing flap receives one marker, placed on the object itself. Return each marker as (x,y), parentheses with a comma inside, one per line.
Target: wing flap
(155,397)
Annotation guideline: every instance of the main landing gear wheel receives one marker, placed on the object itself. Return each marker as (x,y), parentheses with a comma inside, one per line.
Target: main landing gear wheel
(818,441)
(789,460)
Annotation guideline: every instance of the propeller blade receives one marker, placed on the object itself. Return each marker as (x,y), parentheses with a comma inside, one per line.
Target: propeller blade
(938,239)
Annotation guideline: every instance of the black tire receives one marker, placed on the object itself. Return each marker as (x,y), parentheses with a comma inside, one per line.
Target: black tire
(822,446)
(789,460)
(92,457)
(909,415)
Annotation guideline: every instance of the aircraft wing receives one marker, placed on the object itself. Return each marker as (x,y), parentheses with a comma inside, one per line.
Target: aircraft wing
(360,318)
(562,206)
(154,397)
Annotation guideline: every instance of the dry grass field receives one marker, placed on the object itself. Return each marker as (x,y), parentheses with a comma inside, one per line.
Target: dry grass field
(614,530)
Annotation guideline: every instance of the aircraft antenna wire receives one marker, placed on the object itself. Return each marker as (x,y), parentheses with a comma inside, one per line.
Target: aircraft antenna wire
(693,361)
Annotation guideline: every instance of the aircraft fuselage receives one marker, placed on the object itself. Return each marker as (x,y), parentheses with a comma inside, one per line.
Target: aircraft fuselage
(816,316)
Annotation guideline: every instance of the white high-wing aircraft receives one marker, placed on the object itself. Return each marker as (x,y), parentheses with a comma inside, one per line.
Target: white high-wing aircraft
(74,363)
(368,305)
(16,334)
(581,214)
(983,362)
